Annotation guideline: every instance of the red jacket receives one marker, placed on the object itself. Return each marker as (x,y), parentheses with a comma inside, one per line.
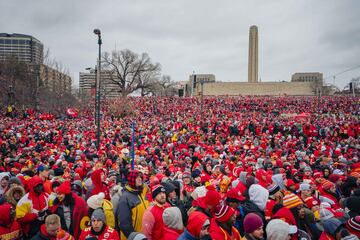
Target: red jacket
(325,236)
(9,229)
(171,234)
(216,232)
(152,223)
(108,233)
(79,211)
(29,205)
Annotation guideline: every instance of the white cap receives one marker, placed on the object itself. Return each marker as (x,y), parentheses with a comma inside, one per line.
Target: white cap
(304,186)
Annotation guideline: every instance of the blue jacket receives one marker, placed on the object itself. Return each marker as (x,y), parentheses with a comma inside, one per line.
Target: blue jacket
(186,236)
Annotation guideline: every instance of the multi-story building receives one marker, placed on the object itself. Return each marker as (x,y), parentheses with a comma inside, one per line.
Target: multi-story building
(108,89)
(54,80)
(24,47)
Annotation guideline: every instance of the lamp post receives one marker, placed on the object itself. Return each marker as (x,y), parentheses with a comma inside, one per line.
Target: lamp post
(98,33)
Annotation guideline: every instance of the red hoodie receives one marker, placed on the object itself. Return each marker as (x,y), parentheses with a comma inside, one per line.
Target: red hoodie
(9,229)
(25,214)
(99,186)
(196,222)
(287,216)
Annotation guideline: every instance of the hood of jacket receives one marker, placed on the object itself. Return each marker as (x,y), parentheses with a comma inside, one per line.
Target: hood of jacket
(33,182)
(258,195)
(172,218)
(5,214)
(96,178)
(4,174)
(10,194)
(196,222)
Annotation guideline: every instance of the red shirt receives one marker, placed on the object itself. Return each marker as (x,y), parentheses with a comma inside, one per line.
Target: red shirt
(108,233)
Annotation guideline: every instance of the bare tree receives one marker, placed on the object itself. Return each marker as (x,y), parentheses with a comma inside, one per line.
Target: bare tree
(130,71)
(17,83)
(164,87)
(121,107)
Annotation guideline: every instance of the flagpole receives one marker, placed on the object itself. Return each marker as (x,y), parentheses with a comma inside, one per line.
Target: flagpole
(132,146)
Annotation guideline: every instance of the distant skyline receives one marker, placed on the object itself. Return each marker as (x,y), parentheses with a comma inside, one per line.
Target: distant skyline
(205,36)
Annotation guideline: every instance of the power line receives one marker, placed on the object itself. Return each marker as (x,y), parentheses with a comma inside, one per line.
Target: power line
(339,73)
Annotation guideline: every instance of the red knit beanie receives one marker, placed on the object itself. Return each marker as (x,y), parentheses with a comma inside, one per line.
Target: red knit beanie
(212,197)
(64,188)
(224,213)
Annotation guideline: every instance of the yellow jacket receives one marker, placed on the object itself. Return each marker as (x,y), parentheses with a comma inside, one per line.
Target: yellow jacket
(109,213)
(130,210)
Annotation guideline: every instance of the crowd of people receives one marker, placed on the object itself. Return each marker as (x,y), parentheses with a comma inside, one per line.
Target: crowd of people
(224,168)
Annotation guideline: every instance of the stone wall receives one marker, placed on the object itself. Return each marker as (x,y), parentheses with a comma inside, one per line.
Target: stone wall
(263,88)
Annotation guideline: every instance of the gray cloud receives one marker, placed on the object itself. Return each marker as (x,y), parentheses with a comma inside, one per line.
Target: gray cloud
(205,36)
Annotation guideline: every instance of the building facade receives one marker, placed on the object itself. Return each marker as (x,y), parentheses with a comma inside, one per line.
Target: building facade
(257,89)
(196,80)
(26,48)
(307,77)
(108,89)
(55,80)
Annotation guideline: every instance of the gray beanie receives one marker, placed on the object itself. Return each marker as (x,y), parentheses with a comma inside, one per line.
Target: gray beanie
(136,236)
(15,180)
(172,218)
(98,214)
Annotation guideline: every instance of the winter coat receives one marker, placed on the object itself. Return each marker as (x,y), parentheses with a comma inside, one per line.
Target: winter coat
(43,235)
(107,233)
(152,222)
(115,196)
(171,234)
(326,236)
(195,224)
(29,206)
(9,229)
(109,213)
(218,233)
(78,212)
(130,210)
(186,236)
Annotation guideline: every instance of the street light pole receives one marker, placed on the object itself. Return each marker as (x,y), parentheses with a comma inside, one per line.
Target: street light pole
(98,33)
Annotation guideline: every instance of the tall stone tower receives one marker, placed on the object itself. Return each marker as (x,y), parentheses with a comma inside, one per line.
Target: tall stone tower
(253,55)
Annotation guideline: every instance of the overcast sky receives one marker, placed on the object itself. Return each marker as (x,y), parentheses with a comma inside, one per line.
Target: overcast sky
(205,36)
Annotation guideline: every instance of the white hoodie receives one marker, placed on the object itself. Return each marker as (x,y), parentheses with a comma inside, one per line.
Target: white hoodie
(259,195)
